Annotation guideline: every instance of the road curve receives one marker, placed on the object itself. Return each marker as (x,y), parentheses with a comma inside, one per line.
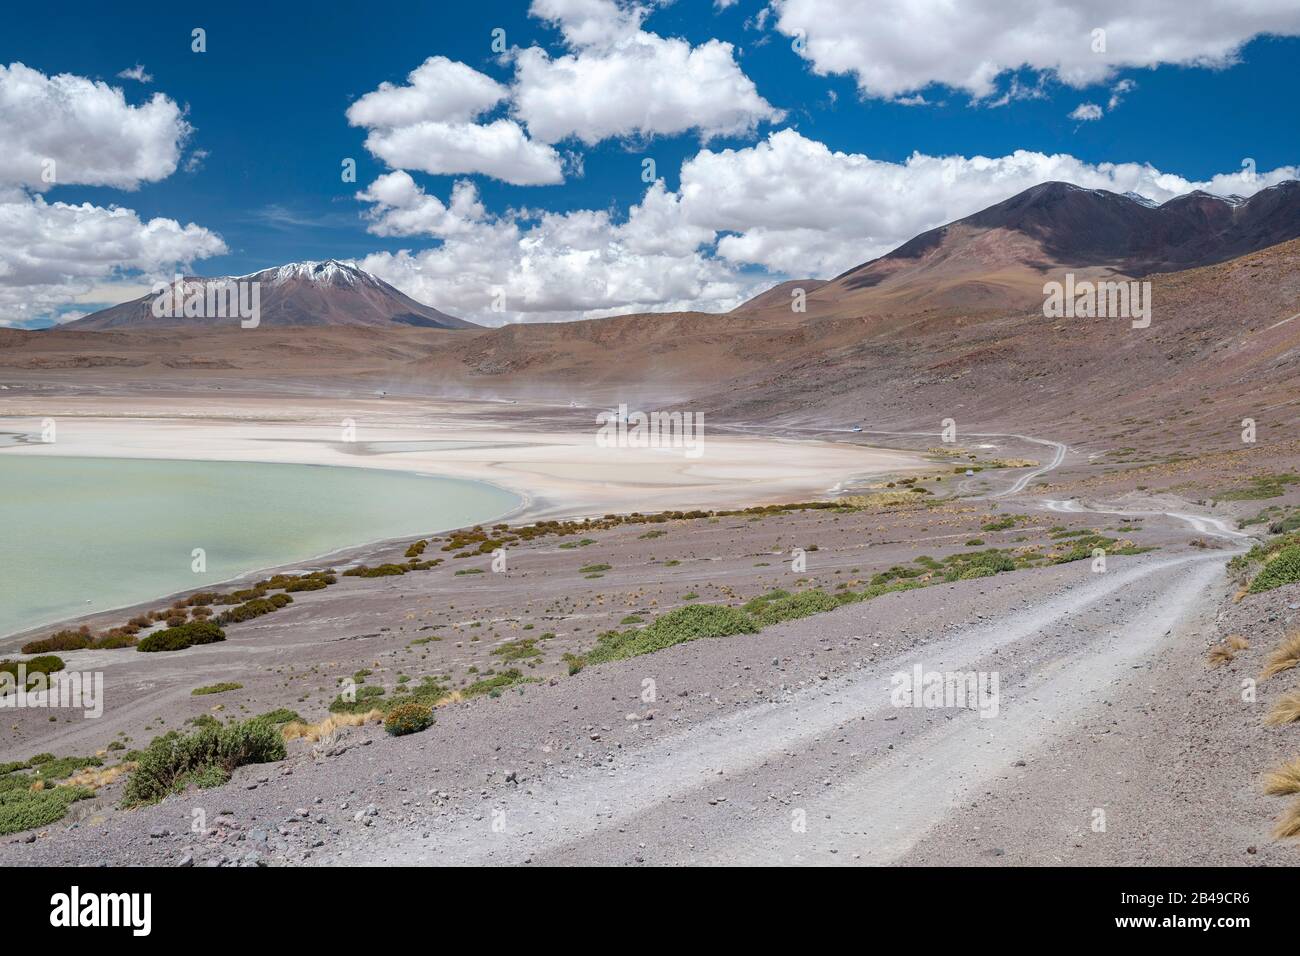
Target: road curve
(909,767)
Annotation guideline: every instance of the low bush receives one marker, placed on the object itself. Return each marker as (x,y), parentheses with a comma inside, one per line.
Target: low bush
(278,717)
(524,648)
(1282,568)
(220,688)
(676,627)
(494,685)
(25,809)
(1261,486)
(308,584)
(364,701)
(179,638)
(767,611)
(1000,524)
(378,571)
(60,768)
(44,664)
(408,719)
(1285,525)
(115,640)
(205,758)
(67,640)
(254,608)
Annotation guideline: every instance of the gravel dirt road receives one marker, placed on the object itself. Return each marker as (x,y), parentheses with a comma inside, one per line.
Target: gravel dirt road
(789,746)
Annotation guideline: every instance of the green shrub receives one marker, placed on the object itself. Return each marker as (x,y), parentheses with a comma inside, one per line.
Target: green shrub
(205,758)
(496,683)
(61,641)
(181,637)
(788,608)
(115,640)
(308,584)
(220,688)
(254,608)
(524,648)
(408,719)
(1285,525)
(1261,486)
(28,809)
(60,768)
(278,717)
(676,627)
(365,701)
(378,571)
(977,564)
(1282,568)
(44,664)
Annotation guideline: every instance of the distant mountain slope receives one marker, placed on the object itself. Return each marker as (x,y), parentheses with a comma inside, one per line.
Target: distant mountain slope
(1000,257)
(1223,345)
(300,293)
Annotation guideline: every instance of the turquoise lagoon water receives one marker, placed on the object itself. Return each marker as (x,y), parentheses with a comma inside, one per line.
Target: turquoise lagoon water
(84,534)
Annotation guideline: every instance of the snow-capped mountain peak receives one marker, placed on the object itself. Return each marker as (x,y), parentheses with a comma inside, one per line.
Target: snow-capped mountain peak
(328,272)
(297,293)
(1142,200)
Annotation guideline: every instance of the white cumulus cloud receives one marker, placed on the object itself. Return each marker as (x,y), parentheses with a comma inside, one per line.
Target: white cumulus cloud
(50,253)
(136,73)
(896,47)
(438,89)
(430,125)
(549,265)
(87,128)
(70,130)
(643,85)
(859,208)
(741,220)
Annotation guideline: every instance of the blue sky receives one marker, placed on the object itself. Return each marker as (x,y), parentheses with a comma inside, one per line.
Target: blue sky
(266,106)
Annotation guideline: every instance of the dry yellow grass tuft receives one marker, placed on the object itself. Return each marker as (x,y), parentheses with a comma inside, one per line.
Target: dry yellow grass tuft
(1289,824)
(883,499)
(96,777)
(1285,657)
(1285,711)
(1237,642)
(1283,781)
(1219,654)
(314,732)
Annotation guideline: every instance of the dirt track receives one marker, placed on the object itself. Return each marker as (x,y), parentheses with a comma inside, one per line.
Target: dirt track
(785,747)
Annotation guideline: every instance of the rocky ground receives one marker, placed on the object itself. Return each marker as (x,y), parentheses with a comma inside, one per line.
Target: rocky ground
(1106,703)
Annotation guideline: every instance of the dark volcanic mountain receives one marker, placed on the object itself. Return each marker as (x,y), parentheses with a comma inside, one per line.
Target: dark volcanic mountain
(1001,256)
(1090,227)
(300,293)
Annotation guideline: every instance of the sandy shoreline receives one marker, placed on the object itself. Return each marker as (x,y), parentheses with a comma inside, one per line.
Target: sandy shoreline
(556,468)
(548,457)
